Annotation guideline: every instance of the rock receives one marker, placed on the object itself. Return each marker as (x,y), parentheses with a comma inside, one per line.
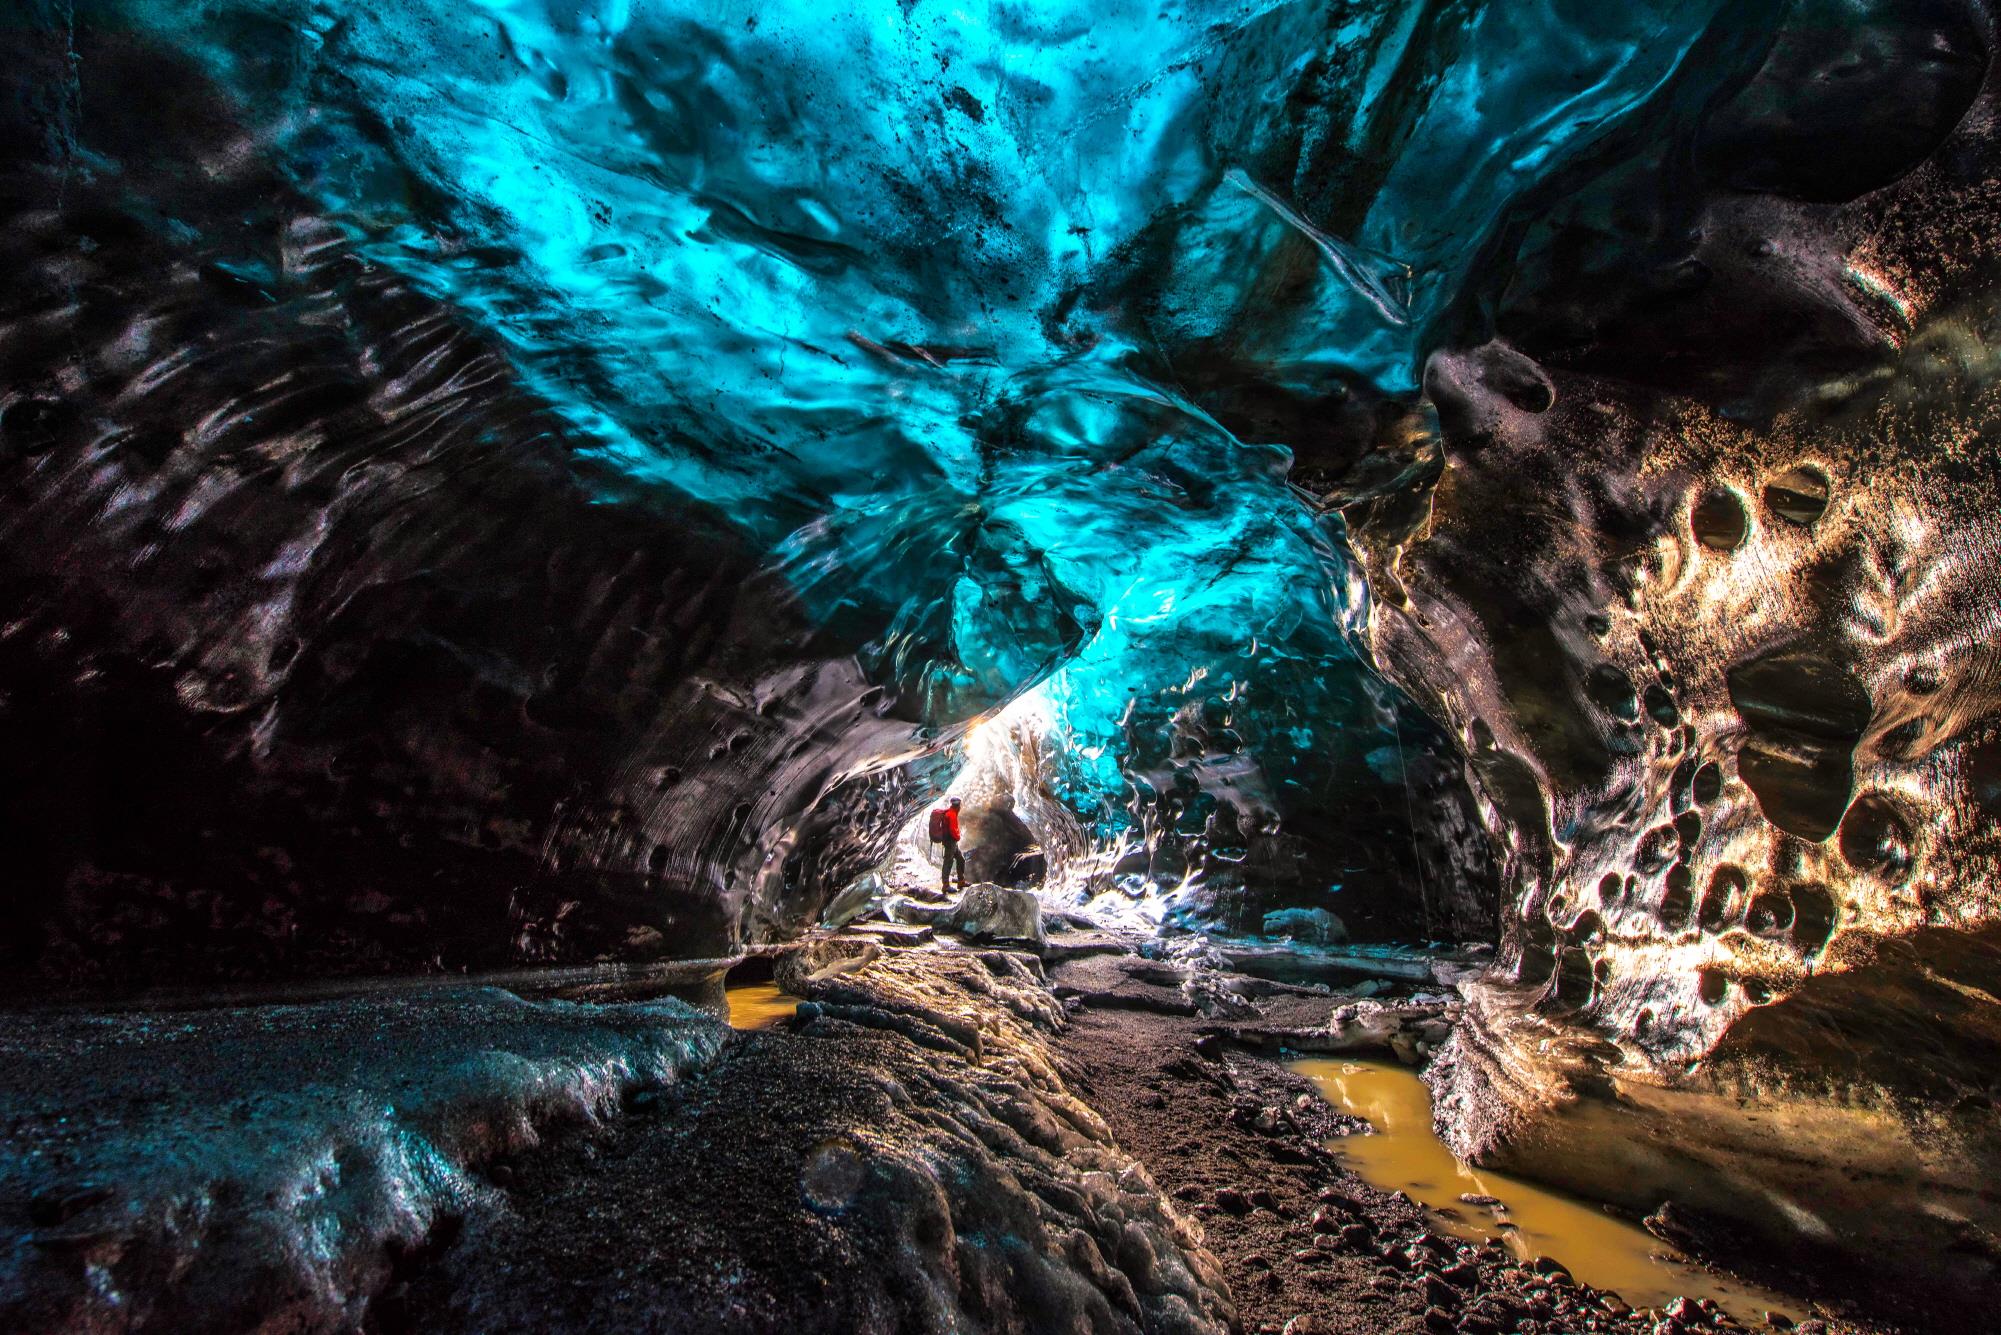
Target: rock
(1229,1198)
(988,912)
(1265,1200)
(1329,1221)
(1440,1322)
(1210,1046)
(1079,947)
(1441,1294)
(1551,1269)
(1374,1026)
(1317,926)
(916,912)
(860,896)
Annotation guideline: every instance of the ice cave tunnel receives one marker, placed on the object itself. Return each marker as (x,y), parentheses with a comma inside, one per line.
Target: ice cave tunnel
(1446,550)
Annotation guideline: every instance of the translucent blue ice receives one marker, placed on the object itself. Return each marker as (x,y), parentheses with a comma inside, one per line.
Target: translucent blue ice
(909,289)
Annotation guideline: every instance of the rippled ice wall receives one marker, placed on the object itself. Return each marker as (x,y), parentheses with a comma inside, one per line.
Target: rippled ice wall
(907,291)
(969,348)
(876,283)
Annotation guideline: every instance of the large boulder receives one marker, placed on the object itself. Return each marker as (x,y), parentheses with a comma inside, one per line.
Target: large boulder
(998,843)
(988,912)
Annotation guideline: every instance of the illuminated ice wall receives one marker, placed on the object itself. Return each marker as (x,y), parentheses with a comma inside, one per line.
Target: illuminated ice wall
(982,349)
(961,310)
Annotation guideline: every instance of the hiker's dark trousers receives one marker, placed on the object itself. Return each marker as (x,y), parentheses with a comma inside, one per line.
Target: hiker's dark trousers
(953,855)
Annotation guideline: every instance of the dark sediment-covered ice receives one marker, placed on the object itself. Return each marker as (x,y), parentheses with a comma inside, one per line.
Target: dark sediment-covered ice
(265,1167)
(906,1156)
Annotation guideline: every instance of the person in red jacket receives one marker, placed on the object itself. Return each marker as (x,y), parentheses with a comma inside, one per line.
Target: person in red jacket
(945,833)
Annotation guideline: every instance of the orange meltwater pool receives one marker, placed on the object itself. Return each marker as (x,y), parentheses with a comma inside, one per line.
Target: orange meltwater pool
(755,1005)
(1599,1249)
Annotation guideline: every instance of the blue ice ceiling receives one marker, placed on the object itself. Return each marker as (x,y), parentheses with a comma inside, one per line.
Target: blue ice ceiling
(937,302)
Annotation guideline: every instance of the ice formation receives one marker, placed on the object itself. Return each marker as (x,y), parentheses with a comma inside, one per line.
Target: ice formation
(679,386)
(509,483)
(266,1166)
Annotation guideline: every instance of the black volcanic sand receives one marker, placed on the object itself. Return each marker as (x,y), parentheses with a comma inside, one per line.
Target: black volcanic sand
(1193,1120)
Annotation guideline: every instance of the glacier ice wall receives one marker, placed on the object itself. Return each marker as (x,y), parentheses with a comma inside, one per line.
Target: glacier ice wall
(578,452)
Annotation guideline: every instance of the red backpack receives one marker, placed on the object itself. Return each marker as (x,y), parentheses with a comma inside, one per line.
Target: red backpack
(941,825)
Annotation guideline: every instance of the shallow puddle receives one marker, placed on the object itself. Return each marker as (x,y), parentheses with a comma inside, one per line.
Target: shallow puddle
(1599,1249)
(755,1005)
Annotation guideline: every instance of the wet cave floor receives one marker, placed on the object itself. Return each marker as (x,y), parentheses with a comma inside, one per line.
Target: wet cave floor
(825,1175)
(896,1132)
(1309,1244)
